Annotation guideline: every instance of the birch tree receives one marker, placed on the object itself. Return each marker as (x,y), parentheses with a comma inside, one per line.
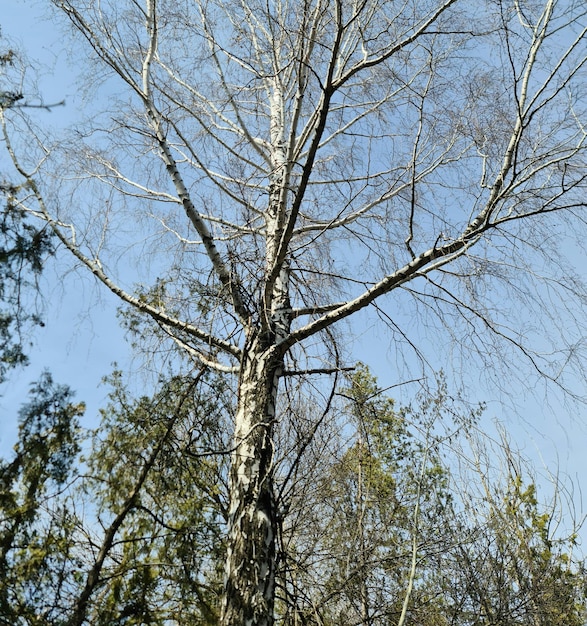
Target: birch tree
(285,165)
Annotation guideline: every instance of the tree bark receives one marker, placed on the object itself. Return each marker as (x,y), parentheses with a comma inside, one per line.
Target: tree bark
(249,591)
(250,565)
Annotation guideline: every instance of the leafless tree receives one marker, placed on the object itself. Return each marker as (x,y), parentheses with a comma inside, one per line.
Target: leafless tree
(517,561)
(293,163)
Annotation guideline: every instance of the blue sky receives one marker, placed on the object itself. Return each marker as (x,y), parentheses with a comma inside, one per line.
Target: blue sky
(82,338)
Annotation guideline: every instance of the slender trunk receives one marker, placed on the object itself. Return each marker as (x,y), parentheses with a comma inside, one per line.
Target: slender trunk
(249,591)
(250,567)
(362,565)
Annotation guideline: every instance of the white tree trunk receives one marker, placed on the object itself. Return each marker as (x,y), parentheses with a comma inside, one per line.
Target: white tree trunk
(249,592)
(250,565)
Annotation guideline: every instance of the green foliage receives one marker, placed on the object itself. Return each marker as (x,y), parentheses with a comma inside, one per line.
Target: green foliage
(133,533)
(162,295)
(138,522)
(35,546)
(166,562)
(513,570)
(392,498)
(24,248)
(363,515)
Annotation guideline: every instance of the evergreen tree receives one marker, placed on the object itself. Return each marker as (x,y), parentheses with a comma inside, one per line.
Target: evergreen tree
(24,245)
(37,551)
(126,525)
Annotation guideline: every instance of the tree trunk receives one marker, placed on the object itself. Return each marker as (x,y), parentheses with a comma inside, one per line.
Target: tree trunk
(250,566)
(249,591)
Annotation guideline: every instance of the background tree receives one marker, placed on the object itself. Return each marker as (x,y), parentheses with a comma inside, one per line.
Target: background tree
(24,245)
(161,499)
(418,518)
(378,504)
(523,550)
(300,162)
(390,529)
(36,548)
(132,533)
